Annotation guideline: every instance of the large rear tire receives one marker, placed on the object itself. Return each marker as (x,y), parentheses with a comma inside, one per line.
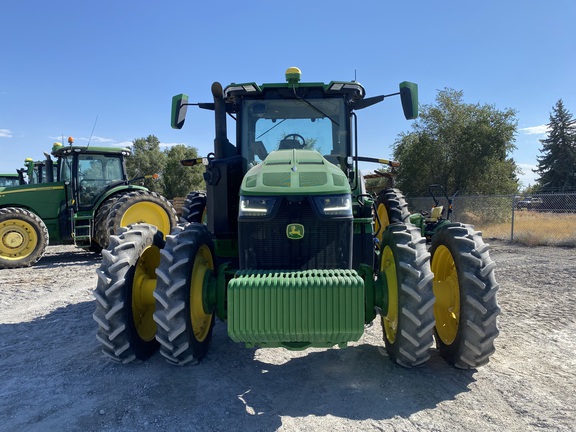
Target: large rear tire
(124,300)
(184,323)
(194,208)
(139,207)
(407,319)
(465,289)
(23,238)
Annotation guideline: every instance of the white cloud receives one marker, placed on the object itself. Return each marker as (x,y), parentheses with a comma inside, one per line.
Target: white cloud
(528,177)
(535,130)
(5,133)
(99,140)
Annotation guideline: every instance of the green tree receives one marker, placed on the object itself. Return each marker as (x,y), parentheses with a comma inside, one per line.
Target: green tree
(464,147)
(557,164)
(179,180)
(147,159)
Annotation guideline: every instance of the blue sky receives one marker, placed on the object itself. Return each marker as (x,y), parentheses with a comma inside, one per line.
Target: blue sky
(64,64)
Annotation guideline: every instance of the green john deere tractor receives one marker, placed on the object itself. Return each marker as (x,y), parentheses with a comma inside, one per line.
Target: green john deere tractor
(89,200)
(287,247)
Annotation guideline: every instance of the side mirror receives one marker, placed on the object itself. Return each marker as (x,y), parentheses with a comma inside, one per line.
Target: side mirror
(179,108)
(409,97)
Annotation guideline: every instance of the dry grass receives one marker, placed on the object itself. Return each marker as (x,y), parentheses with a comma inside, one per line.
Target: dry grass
(536,229)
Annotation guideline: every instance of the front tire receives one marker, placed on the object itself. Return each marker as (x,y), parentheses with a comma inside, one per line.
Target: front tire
(23,238)
(124,300)
(465,289)
(407,318)
(184,319)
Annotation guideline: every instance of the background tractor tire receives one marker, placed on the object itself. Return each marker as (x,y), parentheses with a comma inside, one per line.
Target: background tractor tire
(139,206)
(194,208)
(23,238)
(465,288)
(101,238)
(124,301)
(391,207)
(408,319)
(184,327)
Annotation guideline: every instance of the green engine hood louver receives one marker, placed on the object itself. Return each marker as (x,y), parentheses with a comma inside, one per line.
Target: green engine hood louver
(295,172)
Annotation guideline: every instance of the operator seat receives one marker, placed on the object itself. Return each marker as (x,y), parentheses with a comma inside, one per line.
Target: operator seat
(435,214)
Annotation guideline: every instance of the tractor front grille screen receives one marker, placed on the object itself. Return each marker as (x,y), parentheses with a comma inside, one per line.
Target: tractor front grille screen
(296,238)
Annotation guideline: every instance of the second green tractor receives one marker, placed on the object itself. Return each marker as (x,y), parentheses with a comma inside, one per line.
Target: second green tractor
(82,197)
(288,248)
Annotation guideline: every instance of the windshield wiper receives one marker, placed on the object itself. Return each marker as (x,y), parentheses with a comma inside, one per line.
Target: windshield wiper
(264,133)
(314,107)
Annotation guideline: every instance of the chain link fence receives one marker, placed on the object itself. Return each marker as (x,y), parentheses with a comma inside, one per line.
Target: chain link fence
(543,219)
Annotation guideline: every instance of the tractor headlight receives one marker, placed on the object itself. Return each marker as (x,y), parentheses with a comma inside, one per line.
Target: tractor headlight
(256,206)
(337,205)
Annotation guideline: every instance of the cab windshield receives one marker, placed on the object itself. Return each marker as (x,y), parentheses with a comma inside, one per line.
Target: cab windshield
(318,124)
(6,181)
(95,172)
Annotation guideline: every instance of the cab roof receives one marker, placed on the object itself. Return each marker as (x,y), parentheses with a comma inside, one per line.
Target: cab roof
(353,89)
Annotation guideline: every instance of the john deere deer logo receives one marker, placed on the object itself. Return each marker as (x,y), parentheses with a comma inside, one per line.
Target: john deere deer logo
(295,231)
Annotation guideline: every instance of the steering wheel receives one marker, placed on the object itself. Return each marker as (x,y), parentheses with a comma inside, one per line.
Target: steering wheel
(293,137)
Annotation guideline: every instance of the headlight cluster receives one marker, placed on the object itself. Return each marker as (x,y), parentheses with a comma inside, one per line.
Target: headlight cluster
(330,206)
(256,206)
(338,205)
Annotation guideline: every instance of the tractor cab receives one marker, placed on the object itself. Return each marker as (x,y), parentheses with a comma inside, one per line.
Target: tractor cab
(90,171)
(307,117)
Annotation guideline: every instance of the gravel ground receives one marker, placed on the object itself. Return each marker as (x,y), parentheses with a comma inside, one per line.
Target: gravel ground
(54,377)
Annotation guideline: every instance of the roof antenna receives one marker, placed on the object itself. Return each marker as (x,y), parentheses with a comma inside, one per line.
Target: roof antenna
(91,133)
(354,75)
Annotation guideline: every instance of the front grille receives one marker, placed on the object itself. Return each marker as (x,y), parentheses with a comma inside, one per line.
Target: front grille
(327,243)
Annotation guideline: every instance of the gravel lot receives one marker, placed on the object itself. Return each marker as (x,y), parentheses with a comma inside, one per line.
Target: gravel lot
(54,377)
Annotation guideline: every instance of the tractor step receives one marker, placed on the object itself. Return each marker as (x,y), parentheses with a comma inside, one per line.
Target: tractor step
(296,309)
(82,230)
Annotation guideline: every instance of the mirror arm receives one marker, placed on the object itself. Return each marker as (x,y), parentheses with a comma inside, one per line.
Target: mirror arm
(365,103)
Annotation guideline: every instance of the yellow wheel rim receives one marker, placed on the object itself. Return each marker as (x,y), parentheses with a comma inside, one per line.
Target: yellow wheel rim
(201,320)
(390,320)
(382,222)
(18,239)
(143,303)
(147,212)
(447,293)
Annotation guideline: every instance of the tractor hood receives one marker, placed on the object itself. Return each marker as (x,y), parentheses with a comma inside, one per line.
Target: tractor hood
(295,172)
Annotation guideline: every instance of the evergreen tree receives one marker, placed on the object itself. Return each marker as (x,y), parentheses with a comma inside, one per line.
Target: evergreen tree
(557,164)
